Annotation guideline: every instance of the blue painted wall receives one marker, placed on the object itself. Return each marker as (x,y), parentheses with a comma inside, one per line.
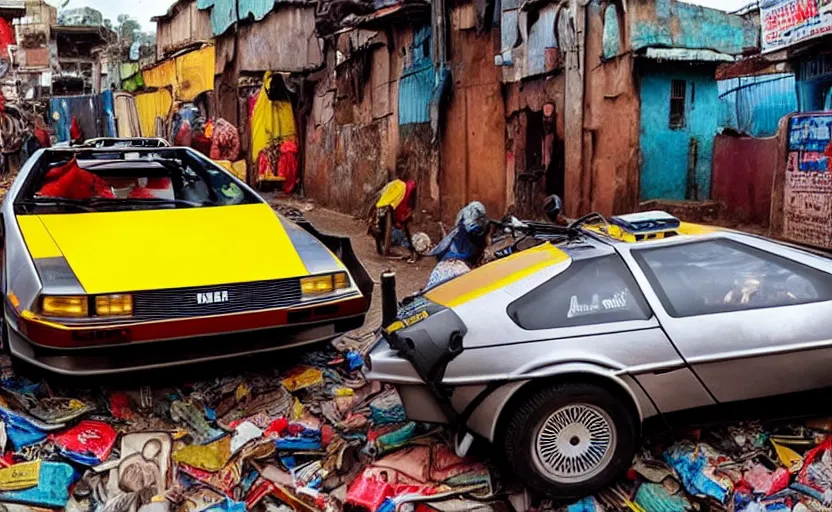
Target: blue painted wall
(674,24)
(664,170)
(417,80)
(612,32)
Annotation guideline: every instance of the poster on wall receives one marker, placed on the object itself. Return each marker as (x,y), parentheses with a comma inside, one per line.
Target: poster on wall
(788,22)
(808,187)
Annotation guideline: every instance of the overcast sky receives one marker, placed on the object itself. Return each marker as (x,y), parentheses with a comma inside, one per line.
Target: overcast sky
(143,10)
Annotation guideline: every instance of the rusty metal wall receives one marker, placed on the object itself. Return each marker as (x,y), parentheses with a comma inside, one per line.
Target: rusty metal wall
(473,142)
(188,25)
(743,172)
(284,41)
(347,148)
(607,179)
(224,50)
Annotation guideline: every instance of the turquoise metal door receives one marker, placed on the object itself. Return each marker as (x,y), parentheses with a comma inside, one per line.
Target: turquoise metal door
(679,119)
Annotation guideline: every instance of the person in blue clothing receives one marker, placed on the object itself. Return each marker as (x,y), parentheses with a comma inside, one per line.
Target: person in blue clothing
(463,248)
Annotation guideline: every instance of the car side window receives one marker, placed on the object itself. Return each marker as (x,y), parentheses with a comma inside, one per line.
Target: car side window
(590,292)
(224,187)
(720,276)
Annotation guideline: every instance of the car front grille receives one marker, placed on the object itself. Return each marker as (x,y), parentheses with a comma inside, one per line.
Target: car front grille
(216,300)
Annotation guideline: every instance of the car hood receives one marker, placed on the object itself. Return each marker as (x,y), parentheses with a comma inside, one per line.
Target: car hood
(111,252)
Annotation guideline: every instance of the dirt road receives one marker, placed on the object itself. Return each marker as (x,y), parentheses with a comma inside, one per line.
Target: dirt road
(410,278)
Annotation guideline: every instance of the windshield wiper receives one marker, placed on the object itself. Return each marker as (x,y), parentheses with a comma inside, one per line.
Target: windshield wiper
(55,201)
(155,201)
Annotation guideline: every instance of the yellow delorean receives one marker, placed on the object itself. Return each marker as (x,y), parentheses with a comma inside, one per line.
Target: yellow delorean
(123,258)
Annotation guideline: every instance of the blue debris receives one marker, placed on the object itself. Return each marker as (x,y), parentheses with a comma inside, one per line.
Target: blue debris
(589,504)
(354,360)
(52,491)
(690,467)
(228,505)
(20,431)
(307,440)
(288,461)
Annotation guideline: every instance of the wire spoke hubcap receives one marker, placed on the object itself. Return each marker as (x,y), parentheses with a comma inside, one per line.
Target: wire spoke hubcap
(574,444)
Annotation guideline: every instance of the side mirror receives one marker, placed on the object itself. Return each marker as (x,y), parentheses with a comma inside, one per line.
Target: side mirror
(553,206)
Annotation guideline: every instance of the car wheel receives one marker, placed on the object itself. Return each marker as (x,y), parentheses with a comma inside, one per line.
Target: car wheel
(570,441)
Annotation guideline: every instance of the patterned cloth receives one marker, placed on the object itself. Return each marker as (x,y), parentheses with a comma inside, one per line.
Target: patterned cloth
(445,271)
(225,141)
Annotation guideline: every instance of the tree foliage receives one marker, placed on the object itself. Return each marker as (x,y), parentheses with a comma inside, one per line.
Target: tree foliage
(128,28)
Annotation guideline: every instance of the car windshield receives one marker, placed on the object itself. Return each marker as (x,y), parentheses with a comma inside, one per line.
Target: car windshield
(107,180)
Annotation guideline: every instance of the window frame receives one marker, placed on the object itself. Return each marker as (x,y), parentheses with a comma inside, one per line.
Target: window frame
(784,262)
(678,120)
(565,278)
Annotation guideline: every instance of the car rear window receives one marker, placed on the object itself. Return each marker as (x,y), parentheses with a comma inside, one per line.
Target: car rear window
(720,276)
(70,182)
(590,292)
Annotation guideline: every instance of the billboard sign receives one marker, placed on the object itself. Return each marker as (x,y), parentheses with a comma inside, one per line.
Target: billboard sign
(785,23)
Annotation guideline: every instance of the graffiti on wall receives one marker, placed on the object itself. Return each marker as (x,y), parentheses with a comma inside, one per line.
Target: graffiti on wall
(808,185)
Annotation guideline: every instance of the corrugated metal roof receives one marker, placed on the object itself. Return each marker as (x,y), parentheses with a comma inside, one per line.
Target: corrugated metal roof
(755,104)
(417,81)
(223,15)
(541,38)
(258,9)
(687,55)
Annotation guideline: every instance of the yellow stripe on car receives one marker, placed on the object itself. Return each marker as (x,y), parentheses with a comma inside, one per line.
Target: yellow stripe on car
(496,275)
(622,235)
(38,240)
(690,229)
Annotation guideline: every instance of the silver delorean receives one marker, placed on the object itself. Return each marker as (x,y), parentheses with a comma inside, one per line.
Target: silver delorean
(557,354)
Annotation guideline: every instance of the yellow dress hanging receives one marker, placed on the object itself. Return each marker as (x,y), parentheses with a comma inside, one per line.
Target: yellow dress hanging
(270,120)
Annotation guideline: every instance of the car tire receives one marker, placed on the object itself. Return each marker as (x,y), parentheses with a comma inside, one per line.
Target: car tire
(569,441)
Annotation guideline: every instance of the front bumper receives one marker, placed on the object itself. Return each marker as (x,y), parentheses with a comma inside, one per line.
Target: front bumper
(116,348)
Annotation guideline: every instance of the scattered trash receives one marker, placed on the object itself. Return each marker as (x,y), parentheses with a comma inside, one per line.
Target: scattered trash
(319,438)
(314,438)
(89,443)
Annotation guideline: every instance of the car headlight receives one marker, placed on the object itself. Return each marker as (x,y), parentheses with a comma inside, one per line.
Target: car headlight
(66,306)
(114,305)
(317,285)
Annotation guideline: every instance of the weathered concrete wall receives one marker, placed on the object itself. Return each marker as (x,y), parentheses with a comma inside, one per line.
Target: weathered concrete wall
(607,180)
(674,24)
(345,147)
(473,144)
(743,173)
(353,140)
